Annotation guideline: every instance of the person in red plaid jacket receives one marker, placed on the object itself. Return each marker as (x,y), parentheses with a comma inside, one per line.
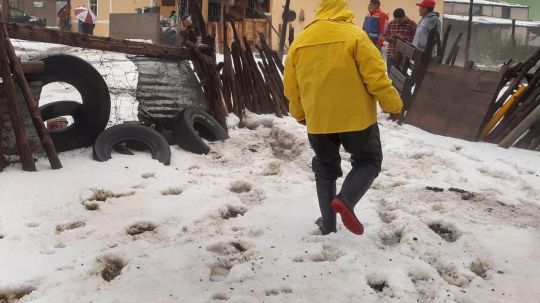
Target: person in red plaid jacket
(400,28)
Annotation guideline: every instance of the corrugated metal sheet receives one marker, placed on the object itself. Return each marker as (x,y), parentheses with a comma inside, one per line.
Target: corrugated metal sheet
(165,88)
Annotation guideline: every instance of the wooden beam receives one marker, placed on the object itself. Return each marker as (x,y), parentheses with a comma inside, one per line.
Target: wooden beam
(23,147)
(31,102)
(25,32)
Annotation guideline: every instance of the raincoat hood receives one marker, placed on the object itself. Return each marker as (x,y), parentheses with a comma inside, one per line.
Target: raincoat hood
(335,10)
(333,23)
(334,74)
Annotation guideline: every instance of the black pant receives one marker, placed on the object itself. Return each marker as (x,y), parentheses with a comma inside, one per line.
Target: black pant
(366,159)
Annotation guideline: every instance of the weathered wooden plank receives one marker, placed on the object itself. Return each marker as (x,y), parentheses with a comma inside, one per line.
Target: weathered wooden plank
(408,50)
(452,101)
(25,32)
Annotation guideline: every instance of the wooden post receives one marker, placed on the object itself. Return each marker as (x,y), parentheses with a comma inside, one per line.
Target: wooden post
(520,129)
(445,42)
(6,9)
(3,161)
(514,32)
(454,50)
(16,67)
(27,159)
(283,33)
(469,32)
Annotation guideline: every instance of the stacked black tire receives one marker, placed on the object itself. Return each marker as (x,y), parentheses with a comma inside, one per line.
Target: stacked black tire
(187,128)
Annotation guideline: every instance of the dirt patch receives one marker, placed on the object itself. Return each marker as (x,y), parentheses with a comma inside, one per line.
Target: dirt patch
(220,297)
(173,191)
(239,187)
(68,226)
(377,284)
(480,268)
(278,291)
(14,295)
(140,227)
(112,267)
(102,195)
(435,189)
(392,238)
(447,232)
(272,169)
(387,217)
(232,212)
(148,175)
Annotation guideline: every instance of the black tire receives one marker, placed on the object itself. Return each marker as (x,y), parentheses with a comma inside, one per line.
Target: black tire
(96,101)
(65,139)
(191,125)
(154,142)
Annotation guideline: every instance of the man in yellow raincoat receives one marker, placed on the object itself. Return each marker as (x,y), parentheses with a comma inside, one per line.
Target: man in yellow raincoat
(334,76)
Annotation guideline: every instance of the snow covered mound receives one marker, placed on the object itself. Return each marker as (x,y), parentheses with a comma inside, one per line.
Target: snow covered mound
(237,225)
(446,221)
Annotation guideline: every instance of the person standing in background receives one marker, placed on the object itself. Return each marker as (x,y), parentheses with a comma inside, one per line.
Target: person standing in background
(429,21)
(401,28)
(173,18)
(64,17)
(375,23)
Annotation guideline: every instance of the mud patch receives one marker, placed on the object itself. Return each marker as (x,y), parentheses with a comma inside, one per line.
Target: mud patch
(68,226)
(220,297)
(387,217)
(278,291)
(445,231)
(140,227)
(228,248)
(172,191)
(391,238)
(451,275)
(239,187)
(327,254)
(111,267)
(232,212)
(377,284)
(102,195)
(14,295)
(272,169)
(480,268)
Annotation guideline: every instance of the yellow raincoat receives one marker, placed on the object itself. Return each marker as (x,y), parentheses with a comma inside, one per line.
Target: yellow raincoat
(334,74)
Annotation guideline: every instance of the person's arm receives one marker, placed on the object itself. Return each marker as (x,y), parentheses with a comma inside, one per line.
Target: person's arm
(411,32)
(387,36)
(292,92)
(373,71)
(383,23)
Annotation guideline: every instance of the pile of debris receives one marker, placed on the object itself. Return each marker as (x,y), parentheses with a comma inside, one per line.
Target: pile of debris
(513,119)
(500,107)
(248,84)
